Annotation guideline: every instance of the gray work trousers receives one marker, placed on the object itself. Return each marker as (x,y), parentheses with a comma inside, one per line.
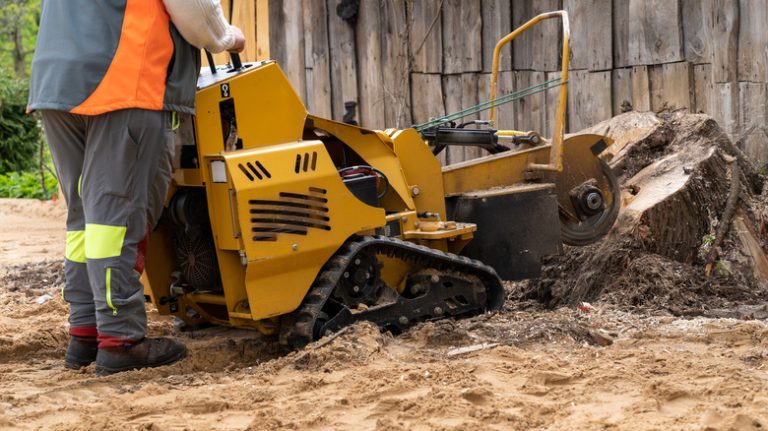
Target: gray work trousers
(114,170)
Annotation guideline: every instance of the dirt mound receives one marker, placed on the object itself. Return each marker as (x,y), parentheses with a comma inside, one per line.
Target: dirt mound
(691,235)
(34,277)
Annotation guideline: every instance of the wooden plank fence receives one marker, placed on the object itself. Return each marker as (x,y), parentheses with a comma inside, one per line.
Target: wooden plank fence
(405,61)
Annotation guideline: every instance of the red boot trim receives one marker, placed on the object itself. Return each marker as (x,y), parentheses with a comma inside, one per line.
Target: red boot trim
(83,331)
(112,341)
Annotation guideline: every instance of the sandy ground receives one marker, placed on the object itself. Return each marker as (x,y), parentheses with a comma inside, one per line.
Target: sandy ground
(585,368)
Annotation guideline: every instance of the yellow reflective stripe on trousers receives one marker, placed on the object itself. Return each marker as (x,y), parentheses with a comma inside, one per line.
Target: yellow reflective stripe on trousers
(75,250)
(102,241)
(109,292)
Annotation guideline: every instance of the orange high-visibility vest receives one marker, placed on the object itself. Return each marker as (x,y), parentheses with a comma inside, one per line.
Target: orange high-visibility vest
(94,57)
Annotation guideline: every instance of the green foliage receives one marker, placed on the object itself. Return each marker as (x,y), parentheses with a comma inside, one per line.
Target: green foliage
(21,146)
(19,132)
(27,185)
(18,32)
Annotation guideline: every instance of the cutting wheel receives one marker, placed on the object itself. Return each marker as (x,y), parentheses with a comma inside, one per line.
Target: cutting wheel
(589,196)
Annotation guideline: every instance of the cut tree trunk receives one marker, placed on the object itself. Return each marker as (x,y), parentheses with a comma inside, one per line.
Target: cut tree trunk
(676,173)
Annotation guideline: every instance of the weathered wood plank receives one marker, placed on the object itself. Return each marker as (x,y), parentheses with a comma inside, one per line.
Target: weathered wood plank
(655,32)
(427,102)
(754,143)
(497,23)
(671,85)
(452,91)
(725,40)
(589,99)
(505,114)
(621,89)
(591,38)
(461,92)
(753,41)
(244,16)
(551,100)
(308,19)
(641,89)
(370,79)
(426,37)
(341,39)
(317,58)
(620,33)
(395,64)
(726,110)
(262,30)
(753,109)
(697,30)
(703,89)
(631,89)
(462,36)
(531,110)
(469,97)
(288,47)
(538,48)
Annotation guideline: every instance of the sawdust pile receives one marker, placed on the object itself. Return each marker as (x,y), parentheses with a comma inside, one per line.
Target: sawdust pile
(691,235)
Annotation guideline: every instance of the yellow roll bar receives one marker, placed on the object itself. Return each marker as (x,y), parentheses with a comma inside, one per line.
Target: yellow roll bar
(558,135)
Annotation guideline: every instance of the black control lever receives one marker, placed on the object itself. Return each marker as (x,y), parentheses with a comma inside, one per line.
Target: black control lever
(236,63)
(211,63)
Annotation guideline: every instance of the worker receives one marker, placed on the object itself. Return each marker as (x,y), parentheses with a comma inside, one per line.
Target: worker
(110,78)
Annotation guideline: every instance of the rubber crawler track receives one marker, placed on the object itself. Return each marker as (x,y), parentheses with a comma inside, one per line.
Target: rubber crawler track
(297,329)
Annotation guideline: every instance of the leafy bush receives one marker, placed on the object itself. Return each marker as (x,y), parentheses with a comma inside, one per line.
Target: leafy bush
(27,185)
(19,131)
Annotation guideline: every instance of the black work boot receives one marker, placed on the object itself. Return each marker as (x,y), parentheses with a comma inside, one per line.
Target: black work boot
(147,353)
(80,352)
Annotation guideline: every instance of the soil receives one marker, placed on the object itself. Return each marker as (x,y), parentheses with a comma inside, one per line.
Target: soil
(613,336)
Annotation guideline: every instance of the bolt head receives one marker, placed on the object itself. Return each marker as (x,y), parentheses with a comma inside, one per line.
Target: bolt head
(438,311)
(403,320)
(594,201)
(435,278)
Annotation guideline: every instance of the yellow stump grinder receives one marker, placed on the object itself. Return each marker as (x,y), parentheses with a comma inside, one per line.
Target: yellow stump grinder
(297,225)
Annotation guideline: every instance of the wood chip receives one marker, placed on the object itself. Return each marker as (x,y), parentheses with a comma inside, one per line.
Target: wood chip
(469,349)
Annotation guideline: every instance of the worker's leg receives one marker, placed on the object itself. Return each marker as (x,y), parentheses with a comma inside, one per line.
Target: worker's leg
(66,139)
(124,153)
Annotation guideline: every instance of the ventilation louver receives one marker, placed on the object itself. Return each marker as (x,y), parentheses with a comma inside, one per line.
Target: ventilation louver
(305,162)
(254,170)
(292,213)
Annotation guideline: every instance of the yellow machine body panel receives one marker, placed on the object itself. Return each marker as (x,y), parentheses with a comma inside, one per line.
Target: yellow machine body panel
(290,221)
(421,169)
(503,169)
(269,110)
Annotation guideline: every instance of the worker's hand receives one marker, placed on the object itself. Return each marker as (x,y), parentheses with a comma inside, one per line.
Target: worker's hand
(239,44)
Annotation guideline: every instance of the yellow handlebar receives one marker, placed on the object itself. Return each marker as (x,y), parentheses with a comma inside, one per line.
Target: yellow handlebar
(558,134)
